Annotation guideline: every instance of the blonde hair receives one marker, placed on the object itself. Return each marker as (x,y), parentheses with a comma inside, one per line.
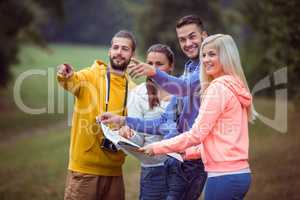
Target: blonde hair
(230,60)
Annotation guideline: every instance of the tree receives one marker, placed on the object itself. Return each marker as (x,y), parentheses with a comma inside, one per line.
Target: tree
(19,23)
(274,38)
(156,21)
(93,22)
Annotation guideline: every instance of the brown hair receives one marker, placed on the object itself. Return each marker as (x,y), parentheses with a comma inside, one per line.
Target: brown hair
(190,19)
(128,35)
(150,85)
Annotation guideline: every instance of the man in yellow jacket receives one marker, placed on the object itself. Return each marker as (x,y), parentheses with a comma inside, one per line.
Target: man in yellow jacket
(95,165)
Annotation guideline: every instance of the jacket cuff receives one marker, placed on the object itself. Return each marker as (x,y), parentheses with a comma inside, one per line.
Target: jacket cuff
(130,121)
(62,78)
(158,76)
(192,153)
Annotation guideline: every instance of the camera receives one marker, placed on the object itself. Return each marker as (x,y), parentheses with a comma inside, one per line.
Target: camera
(108,145)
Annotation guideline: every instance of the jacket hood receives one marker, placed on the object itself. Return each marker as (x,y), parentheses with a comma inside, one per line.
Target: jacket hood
(237,87)
(98,64)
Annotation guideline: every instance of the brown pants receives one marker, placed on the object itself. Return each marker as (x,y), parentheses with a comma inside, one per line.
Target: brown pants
(92,187)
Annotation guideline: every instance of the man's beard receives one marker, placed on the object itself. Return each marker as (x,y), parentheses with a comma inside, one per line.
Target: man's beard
(119,67)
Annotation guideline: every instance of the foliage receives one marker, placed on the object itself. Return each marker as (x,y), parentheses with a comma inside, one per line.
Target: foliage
(19,23)
(90,22)
(156,21)
(274,38)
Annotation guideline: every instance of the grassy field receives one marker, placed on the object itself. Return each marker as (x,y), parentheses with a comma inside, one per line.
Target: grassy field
(35,90)
(34,148)
(274,156)
(34,167)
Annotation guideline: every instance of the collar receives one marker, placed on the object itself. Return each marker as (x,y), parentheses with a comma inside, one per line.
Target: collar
(116,72)
(192,65)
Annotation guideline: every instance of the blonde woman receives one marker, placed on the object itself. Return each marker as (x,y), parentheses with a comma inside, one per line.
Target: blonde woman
(220,133)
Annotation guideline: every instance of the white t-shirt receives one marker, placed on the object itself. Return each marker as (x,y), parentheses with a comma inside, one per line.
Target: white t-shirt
(138,107)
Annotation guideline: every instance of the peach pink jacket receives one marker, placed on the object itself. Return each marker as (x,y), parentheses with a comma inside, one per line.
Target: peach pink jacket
(220,132)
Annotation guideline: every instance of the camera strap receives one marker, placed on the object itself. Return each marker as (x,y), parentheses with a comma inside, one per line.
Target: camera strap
(107,91)
(106,144)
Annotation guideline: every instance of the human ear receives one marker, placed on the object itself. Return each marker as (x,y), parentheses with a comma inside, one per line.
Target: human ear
(204,35)
(133,54)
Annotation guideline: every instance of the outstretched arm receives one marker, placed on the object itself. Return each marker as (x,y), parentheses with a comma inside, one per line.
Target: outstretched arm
(177,86)
(68,79)
(171,84)
(212,107)
(150,126)
(155,126)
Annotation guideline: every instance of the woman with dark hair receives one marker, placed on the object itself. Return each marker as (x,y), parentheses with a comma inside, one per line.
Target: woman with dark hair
(148,101)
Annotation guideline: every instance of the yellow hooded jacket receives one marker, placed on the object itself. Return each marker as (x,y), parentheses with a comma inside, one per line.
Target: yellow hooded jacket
(89,88)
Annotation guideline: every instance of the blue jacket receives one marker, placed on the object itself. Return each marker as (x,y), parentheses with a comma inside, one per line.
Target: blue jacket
(183,108)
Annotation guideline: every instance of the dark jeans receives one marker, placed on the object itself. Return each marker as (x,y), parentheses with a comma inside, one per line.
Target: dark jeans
(185,180)
(153,183)
(227,187)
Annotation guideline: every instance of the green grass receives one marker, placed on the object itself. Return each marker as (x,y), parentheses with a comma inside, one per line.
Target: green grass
(274,156)
(35,90)
(32,59)
(34,167)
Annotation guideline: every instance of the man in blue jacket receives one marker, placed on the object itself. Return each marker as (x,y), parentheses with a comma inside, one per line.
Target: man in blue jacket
(187,178)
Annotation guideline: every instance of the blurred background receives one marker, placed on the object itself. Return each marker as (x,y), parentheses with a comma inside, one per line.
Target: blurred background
(37,35)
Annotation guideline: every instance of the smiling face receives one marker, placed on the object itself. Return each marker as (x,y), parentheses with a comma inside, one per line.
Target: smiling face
(120,53)
(211,61)
(160,61)
(190,37)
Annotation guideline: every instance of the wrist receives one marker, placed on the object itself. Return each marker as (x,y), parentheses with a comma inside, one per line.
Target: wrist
(64,75)
(61,75)
(152,72)
(122,120)
(70,74)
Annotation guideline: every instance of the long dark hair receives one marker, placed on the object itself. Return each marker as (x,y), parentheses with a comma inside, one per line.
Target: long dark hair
(150,85)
